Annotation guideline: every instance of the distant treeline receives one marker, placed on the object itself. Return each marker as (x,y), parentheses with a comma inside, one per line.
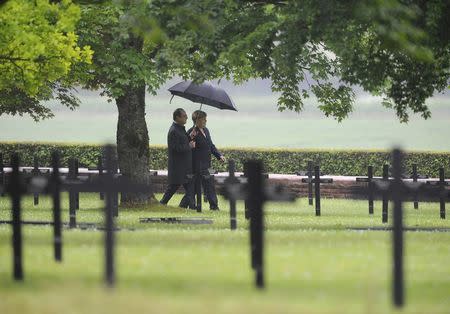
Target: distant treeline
(287,161)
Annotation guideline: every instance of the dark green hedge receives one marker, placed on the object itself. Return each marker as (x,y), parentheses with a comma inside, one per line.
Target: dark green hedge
(338,162)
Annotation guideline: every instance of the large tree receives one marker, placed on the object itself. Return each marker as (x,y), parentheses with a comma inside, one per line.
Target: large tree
(38,48)
(128,39)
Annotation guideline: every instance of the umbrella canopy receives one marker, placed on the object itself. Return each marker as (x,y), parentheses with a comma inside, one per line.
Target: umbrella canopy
(205,93)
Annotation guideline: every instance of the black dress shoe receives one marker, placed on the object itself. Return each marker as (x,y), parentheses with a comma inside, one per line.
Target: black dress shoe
(214,208)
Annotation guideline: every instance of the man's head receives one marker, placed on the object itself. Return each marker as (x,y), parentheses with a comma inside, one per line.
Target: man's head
(180,116)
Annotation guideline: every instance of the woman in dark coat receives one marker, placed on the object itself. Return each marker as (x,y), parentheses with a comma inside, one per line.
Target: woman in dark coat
(201,156)
(179,161)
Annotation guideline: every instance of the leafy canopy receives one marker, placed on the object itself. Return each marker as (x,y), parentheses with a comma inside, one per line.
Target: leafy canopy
(38,47)
(397,49)
(137,43)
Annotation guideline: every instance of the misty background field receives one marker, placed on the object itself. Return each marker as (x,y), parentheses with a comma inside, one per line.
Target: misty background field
(258,123)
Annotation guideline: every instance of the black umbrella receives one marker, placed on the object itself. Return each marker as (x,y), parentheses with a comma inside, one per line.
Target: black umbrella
(204,93)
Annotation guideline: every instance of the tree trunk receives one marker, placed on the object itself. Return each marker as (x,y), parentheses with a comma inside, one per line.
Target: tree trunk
(133,143)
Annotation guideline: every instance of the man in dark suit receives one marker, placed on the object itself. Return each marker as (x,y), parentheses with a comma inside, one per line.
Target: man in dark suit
(180,161)
(201,156)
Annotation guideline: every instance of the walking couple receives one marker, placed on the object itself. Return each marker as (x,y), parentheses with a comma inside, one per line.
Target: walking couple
(189,159)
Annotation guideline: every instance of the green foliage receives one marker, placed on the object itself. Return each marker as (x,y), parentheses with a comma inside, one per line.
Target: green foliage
(398,49)
(142,43)
(336,162)
(122,59)
(38,48)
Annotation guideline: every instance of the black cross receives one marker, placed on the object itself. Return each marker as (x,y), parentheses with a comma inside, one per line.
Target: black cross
(369,180)
(111,166)
(74,197)
(100,172)
(310,182)
(397,189)
(54,189)
(442,184)
(385,206)
(232,180)
(414,177)
(111,184)
(16,189)
(317,181)
(256,194)
(244,177)
(397,234)
(36,172)
(231,186)
(309,174)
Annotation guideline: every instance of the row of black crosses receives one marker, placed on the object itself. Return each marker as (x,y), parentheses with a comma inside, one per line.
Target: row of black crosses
(73,176)
(109,183)
(232,179)
(424,189)
(255,194)
(317,180)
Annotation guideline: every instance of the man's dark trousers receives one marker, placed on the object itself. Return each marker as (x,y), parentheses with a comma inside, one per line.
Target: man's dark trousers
(188,198)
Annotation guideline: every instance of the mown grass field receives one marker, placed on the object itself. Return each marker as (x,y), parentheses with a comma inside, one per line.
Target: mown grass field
(313,264)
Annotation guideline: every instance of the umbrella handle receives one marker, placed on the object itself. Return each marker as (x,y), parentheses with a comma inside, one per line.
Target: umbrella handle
(170,101)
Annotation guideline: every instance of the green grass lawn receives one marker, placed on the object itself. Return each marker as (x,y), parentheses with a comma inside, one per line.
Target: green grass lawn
(313,264)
